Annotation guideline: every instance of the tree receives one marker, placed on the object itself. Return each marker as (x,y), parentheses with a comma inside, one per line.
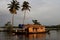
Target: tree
(25,7)
(8,27)
(13,7)
(36,22)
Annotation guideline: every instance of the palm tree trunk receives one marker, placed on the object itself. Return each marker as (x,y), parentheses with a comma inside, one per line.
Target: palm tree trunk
(24,17)
(12,19)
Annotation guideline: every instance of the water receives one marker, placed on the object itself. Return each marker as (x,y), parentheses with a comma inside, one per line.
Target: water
(54,35)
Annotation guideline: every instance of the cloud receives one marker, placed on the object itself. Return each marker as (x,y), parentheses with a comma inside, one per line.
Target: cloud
(45,11)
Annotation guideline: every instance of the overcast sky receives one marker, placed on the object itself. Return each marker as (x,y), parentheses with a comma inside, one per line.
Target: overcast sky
(47,12)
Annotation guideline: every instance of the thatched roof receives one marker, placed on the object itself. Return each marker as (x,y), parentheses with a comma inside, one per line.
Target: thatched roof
(33,26)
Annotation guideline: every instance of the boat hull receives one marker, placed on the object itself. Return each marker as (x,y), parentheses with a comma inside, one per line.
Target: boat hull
(30,32)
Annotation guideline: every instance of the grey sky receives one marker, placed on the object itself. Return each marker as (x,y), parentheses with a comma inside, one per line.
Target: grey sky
(47,12)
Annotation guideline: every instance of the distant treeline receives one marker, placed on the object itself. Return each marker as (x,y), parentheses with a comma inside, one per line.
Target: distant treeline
(13,27)
(53,26)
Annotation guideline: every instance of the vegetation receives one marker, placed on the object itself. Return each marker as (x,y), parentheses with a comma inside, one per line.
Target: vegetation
(25,7)
(36,22)
(8,26)
(12,8)
(53,27)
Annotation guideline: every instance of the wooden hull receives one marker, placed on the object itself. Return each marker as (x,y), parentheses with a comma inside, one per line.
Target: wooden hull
(30,32)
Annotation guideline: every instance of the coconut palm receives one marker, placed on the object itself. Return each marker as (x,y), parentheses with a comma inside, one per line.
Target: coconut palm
(36,22)
(25,7)
(13,7)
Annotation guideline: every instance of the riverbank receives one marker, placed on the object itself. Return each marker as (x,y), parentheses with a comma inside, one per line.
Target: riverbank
(3,29)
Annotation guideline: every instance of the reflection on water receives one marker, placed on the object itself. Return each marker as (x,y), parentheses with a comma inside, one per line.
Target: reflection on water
(36,36)
(54,35)
(31,36)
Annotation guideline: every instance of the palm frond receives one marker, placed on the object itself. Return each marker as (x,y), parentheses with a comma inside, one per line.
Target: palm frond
(14,5)
(25,6)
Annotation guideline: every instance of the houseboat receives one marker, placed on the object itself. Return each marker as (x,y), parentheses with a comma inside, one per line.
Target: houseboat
(31,29)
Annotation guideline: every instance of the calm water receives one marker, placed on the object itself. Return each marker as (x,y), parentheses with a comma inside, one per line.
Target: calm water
(54,35)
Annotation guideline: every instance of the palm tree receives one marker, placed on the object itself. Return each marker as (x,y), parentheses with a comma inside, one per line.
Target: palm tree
(25,7)
(13,7)
(36,22)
